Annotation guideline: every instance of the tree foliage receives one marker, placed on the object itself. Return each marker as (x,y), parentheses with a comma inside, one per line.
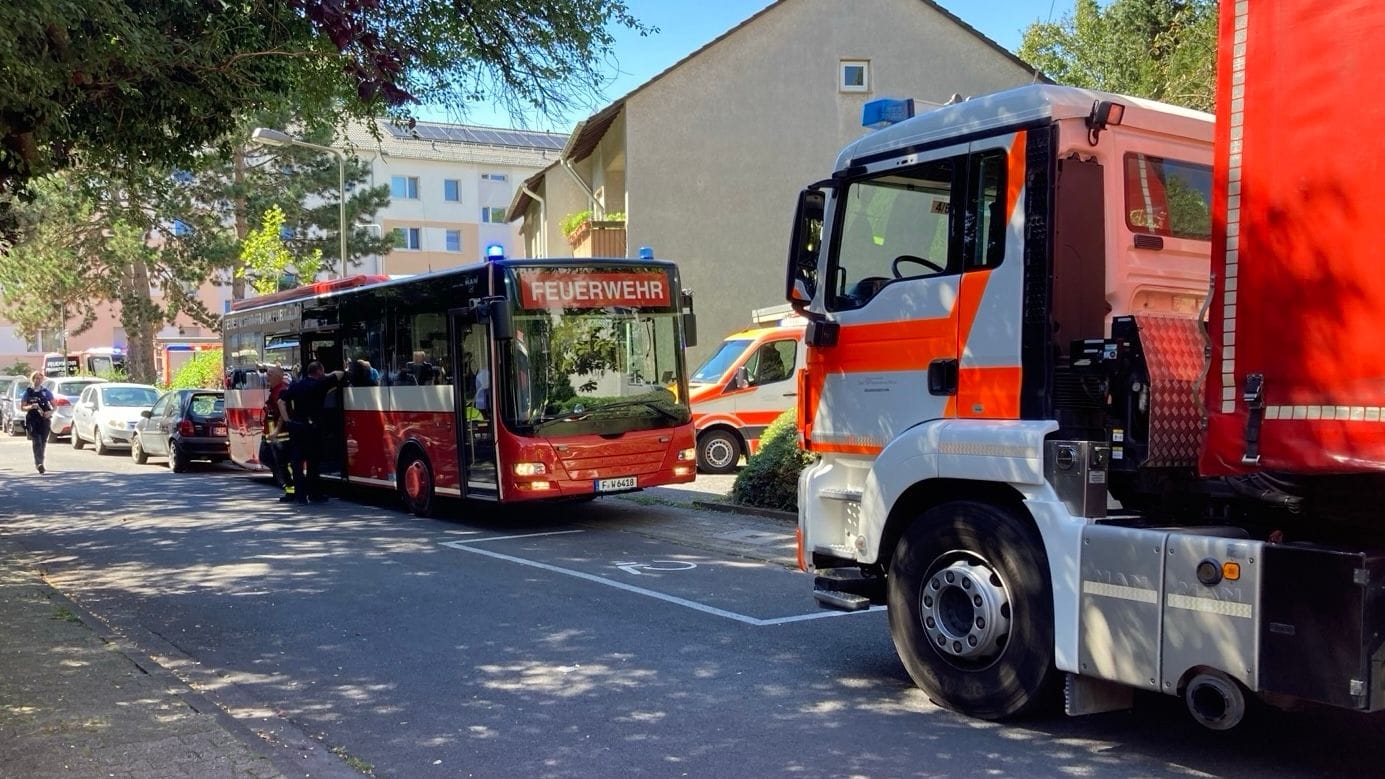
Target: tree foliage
(153,82)
(1160,49)
(264,260)
(203,370)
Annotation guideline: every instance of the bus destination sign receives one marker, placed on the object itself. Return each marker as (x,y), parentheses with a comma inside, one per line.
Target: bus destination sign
(560,288)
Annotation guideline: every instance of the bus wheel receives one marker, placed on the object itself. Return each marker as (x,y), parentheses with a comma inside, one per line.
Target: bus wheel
(971,610)
(416,486)
(718,451)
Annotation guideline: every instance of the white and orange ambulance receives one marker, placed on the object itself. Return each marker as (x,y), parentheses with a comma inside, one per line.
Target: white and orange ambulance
(744,385)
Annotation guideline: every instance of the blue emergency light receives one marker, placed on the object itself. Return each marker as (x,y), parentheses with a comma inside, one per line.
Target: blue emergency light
(495,251)
(886,111)
(646,252)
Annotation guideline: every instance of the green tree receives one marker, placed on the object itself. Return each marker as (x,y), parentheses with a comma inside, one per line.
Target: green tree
(154,82)
(1160,49)
(203,370)
(264,260)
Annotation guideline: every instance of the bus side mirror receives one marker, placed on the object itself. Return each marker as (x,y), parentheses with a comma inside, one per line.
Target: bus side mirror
(502,323)
(800,283)
(689,320)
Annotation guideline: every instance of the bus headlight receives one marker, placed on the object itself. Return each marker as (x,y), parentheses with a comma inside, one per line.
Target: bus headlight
(530,469)
(685,455)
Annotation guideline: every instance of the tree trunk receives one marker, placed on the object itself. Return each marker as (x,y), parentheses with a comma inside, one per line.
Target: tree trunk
(139,316)
(241,223)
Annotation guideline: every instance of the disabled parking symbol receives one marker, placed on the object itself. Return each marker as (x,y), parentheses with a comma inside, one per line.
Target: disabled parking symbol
(655,566)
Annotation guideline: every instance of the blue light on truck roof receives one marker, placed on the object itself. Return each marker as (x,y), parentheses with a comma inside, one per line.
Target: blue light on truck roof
(886,111)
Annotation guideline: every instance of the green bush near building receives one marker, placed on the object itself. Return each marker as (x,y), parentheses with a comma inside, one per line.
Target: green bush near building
(770,477)
(202,371)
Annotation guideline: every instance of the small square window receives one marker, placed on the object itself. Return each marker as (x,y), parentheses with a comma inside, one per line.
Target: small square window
(404,187)
(855,76)
(493,215)
(408,238)
(454,240)
(494,177)
(452,190)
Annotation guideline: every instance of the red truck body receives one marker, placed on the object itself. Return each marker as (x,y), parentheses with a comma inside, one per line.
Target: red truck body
(1299,289)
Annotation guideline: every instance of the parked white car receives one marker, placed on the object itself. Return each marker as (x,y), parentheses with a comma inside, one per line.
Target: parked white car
(66,390)
(106,414)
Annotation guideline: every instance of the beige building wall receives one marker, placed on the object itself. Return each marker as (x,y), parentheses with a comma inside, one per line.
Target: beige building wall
(719,147)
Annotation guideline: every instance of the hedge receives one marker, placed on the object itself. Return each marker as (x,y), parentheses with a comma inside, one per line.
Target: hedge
(770,477)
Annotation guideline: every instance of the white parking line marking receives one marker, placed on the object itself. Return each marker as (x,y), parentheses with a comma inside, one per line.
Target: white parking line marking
(466,546)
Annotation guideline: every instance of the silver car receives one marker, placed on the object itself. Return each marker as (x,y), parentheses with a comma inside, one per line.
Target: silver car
(66,391)
(11,420)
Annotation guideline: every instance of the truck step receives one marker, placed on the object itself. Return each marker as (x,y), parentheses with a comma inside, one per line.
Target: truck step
(840,493)
(850,580)
(843,601)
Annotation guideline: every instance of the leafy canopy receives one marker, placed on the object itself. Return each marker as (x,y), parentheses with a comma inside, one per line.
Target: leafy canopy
(1160,49)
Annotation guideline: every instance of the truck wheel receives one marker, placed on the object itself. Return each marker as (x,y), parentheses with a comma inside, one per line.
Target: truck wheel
(137,452)
(971,610)
(718,451)
(416,486)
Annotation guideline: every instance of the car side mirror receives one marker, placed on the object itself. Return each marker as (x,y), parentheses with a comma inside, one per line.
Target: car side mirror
(147,413)
(742,379)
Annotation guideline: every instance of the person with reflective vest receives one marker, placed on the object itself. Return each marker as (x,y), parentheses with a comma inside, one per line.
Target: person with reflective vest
(274,452)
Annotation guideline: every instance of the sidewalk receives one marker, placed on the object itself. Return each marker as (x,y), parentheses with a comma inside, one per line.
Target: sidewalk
(77,702)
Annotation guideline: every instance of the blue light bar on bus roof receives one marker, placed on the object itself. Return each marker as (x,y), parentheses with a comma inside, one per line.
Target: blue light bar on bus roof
(646,252)
(495,251)
(886,111)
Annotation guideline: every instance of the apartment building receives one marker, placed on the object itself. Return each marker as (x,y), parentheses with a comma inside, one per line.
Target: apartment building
(450,187)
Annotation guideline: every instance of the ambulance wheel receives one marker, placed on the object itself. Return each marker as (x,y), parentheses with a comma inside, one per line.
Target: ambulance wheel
(416,485)
(971,610)
(718,451)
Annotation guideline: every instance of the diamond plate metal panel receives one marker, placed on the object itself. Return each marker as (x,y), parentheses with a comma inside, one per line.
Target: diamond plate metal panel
(1173,348)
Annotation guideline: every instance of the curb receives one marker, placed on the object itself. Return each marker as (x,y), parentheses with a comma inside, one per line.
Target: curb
(736,508)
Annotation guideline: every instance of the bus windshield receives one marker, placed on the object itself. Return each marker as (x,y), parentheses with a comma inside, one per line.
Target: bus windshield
(585,368)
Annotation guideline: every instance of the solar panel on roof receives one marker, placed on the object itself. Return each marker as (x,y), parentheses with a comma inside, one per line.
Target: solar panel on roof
(488,136)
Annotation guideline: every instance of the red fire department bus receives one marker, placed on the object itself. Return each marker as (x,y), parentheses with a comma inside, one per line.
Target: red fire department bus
(509,380)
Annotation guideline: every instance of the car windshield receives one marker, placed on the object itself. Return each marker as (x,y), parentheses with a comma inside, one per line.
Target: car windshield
(130,397)
(71,388)
(715,366)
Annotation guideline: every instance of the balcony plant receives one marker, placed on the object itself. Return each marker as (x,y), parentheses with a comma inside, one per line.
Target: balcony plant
(589,236)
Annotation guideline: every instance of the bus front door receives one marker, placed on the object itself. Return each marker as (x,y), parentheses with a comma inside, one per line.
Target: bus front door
(476,409)
(326,349)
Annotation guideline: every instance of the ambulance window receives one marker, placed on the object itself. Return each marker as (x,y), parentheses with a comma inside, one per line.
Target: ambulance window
(896,226)
(773,362)
(984,232)
(1168,197)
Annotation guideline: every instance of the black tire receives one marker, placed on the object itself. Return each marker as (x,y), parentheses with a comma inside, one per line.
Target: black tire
(178,460)
(977,560)
(718,451)
(97,445)
(53,437)
(416,486)
(137,452)
(77,442)
(13,427)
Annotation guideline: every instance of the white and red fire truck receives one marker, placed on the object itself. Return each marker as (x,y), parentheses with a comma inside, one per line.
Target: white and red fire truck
(1096,389)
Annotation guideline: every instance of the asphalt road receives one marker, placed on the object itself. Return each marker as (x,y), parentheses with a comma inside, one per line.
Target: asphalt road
(558,641)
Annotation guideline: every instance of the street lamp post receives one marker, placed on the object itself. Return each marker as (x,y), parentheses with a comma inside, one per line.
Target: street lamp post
(267,137)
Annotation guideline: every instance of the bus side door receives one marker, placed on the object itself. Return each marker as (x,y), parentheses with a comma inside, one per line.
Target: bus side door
(475,406)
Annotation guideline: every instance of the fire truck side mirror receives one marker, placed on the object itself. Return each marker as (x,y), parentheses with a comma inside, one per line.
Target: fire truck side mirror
(804,244)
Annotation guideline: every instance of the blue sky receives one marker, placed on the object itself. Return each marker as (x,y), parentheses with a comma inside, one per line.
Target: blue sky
(687,25)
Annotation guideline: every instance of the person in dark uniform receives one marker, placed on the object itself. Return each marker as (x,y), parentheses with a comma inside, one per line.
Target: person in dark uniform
(275,442)
(37,405)
(302,404)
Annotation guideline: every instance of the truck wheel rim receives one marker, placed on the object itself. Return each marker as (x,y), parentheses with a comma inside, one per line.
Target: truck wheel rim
(965,611)
(717,453)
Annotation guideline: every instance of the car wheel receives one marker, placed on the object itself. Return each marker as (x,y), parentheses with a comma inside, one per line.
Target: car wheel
(137,452)
(178,460)
(53,436)
(416,485)
(718,451)
(971,610)
(97,442)
(77,442)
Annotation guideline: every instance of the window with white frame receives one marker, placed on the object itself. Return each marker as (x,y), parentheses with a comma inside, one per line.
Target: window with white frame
(493,214)
(408,238)
(494,177)
(452,190)
(404,187)
(454,240)
(855,76)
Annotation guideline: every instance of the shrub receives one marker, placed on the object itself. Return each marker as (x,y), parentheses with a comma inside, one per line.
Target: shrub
(202,371)
(770,477)
(20,368)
